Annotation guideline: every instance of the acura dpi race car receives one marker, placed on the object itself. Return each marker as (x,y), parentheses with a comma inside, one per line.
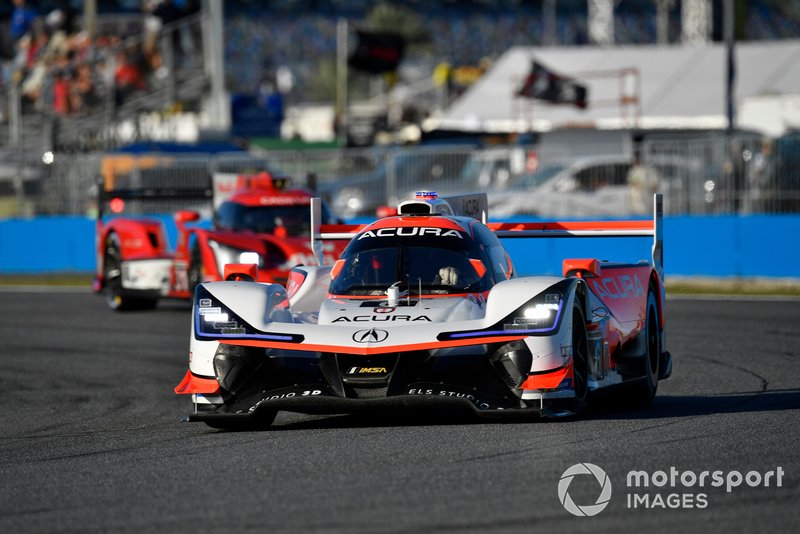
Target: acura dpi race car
(425,309)
(259,215)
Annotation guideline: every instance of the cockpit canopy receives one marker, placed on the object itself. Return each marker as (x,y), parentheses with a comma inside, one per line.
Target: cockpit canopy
(291,219)
(432,259)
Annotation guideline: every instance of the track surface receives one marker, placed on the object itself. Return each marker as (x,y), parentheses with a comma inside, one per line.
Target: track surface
(91,438)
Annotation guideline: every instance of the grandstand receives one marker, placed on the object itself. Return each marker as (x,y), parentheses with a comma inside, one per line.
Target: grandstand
(296,40)
(146,70)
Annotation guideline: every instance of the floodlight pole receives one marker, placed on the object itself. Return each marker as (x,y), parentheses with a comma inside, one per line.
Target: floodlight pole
(340,116)
(729,8)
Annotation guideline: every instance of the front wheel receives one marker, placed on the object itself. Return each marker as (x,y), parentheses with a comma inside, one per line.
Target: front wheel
(580,361)
(115,296)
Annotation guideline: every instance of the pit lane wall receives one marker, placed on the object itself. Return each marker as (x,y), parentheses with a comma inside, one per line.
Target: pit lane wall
(713,246)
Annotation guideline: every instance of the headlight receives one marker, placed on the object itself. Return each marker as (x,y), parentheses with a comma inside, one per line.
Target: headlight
(540,314)
(225,254)
(213,320)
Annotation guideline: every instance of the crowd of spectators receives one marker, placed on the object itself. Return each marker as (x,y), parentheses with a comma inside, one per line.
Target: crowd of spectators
(61,68)
(49,54)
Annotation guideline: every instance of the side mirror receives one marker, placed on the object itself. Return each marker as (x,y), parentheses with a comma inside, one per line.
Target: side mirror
(337,268)
(385,211)
(240,272)
(184,216)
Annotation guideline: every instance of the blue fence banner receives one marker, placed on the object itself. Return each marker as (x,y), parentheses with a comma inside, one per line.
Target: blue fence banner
(702,246)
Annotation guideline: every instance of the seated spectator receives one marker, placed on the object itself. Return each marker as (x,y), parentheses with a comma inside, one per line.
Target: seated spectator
(128,77)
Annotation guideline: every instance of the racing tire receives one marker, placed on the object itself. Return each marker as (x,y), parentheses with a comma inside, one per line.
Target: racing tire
(260,422)
(112,276)
(580,362)
(645,388)
(196,270)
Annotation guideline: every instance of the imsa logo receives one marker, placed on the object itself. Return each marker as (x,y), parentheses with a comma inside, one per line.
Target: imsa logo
(367,371)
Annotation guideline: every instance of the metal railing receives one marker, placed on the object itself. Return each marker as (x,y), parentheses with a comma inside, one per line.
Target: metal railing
(703,175)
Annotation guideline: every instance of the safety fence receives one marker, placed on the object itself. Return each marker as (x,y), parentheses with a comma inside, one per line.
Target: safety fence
(698,176)
(694,246)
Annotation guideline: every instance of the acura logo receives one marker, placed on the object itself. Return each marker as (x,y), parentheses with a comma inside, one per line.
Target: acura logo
(373,335)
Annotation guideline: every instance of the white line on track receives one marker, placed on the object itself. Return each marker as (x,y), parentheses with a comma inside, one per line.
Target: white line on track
(44,289)
(750,298)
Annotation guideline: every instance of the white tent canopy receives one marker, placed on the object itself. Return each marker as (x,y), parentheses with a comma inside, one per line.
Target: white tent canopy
(677,87)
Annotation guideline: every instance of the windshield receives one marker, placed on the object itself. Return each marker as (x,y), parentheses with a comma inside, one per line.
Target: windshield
(436,265)
(295,220)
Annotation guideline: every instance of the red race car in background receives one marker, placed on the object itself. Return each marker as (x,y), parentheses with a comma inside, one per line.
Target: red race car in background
(258,219)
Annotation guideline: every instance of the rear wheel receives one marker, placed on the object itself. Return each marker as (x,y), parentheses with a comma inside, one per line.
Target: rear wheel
(646,387)
(580,361)
(112,275)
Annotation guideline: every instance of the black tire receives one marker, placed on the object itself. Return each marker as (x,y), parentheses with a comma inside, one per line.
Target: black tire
(112,276)
(195,268)
(646,387)
(261,421)
(580,361)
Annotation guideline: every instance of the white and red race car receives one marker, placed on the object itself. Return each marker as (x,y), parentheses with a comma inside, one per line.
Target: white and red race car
(260,215)
(425,309)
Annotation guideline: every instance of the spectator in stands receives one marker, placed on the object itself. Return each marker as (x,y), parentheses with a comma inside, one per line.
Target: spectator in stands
(61,100)
(759,179)
(642,184)
(22,20)
(128,77)
(83,94)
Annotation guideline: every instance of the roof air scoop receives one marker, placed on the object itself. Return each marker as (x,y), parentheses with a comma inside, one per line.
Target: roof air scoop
(425,203)
(474,205)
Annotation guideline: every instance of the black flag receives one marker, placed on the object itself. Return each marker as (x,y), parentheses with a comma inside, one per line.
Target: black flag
(377,52)
(545,84)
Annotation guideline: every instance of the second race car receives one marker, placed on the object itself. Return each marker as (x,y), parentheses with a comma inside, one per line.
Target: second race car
(260,216)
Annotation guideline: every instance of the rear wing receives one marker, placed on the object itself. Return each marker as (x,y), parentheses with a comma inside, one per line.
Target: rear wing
(154,194)
(327,232)
(633,228)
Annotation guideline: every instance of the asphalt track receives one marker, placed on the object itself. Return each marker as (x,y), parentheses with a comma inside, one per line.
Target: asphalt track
(92,439)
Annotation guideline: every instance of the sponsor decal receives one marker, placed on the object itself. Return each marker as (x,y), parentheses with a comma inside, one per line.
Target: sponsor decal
(283,201)
(373,335)
(367,318)
(618,287)
(446,393)
(471,207)
(205,303)
(288,395)
(410,231)
(367,371)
